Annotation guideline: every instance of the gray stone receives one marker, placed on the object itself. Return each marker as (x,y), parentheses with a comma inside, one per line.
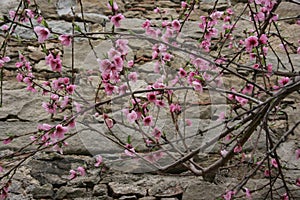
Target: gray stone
(44,191)
(119,190)
(147,198)
(202,191)
(70,192)
(288,9)
(100,190)
(7,5)
(48,8)
(33,111)
(166,190)
(64,7)
(131,197)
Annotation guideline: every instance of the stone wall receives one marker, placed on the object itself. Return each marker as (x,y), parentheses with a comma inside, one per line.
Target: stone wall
(45,176)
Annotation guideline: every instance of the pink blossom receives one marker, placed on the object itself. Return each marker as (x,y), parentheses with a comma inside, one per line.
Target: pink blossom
(77,107)
(285,196)
(274,162)
(157,10)
(154,157)
(65,39)
(274,18)
(205,44)
(298,182)
(65,102)
(160,103)
(229,11)
(151,97)
(50,108)
(156,133)
(59,132)
(70,89)
(241,100)
(109,89)
(109,122)
(175,108)
(148,121)
(146,24)
(115,6)
(176,25)
(265,50)
(54,97)
(29,13)
(54,62)
(42,33)
(12,14)
(99,160)
(1,169)
(298,50)
(269,69)
(198,86)
(57,148)
(105,65)
(283,81)
(229,195)
(116,19)
(133,76)
(251,42)
(118,63)
(260,16)
(81,171)
(221,116)
(284,47)
(238,149)
(4,192)
(248,194)
(7,140)
(122,45)
(4,27)
(216,15)
(167,57)
(72,123)
(267,173)
(183,4)
(73,174)
(132,116)
(224,152)
(122,89)
(129,151)
(130,63)
(263,39)
(4,60)
(182,73)
(44,127)
(188,122)
(165,24)
(248,89)
(39,19)
(297,154)
(227,19)
(255,66)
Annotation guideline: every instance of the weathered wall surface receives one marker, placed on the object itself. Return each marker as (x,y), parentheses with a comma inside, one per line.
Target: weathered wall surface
(45,176)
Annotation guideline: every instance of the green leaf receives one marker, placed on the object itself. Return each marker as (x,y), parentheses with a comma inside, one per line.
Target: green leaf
(44,23)
(254,159)
(129,139)
(237,127)
(199,77)
(227,31)
(77,28)
(44,49)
